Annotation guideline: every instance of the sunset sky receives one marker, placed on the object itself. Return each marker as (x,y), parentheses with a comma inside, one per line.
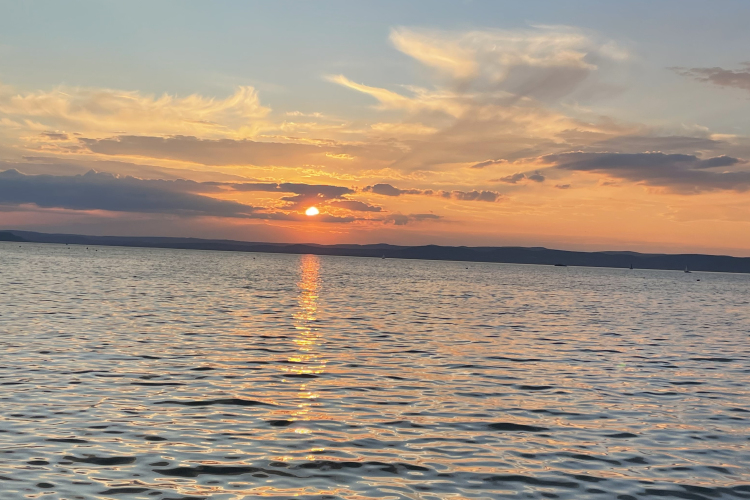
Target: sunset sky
(578,125)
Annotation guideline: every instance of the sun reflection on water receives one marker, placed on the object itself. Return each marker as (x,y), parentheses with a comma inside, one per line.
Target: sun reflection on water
(307,361)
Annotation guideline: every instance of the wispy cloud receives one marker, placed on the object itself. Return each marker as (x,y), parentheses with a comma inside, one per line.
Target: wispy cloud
(109,111)
(541,61)
(493,93)
(402,220)
(474,195)
(237,151)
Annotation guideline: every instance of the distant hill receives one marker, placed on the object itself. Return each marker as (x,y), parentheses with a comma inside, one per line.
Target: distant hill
(9,236)
(511,255)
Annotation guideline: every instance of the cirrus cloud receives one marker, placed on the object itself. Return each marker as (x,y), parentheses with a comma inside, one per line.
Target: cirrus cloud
(107,111)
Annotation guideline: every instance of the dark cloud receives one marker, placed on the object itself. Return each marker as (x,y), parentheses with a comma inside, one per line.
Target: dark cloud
(640,143)
(103,191)
(325,190)
(490,196)
(305,194)
(718,161)
(100,191)
(511,179)
(388,190)
(487,163)
(519,176)
(356,206)
(54,136)
(536,177)
(562,186)
(298,217)
(421,217)
(402,220)
(719,76)
(678,172)
(398,219)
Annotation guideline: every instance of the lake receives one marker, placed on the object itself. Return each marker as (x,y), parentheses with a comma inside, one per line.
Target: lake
(170,374)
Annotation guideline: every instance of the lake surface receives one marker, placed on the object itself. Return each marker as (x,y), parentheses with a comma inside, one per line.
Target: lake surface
(167,374)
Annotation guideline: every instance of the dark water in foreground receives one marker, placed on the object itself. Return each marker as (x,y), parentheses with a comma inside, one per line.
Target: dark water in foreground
(164,374)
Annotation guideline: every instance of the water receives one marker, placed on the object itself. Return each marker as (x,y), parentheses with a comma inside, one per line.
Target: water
(166,374)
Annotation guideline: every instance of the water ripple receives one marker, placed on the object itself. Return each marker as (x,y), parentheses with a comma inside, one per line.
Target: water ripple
(185,375)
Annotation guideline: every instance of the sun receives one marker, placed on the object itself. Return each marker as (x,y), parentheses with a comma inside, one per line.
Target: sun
(312,211)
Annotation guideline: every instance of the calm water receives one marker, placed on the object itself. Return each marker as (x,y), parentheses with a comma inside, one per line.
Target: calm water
(164,374)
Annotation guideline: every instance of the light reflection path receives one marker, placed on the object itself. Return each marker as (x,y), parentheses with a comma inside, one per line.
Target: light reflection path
(307,363)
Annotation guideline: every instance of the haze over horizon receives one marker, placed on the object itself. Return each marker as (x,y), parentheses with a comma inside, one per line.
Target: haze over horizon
(581,126)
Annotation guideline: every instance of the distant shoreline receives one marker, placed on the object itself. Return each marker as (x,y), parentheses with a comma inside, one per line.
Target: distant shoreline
(507,255)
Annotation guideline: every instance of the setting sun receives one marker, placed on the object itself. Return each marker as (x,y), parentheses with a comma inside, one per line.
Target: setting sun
(312,211)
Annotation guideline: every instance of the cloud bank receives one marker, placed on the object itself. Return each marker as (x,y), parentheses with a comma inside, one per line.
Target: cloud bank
(677,172)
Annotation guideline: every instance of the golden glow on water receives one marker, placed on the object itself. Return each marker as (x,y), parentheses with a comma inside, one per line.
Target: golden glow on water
(307,361)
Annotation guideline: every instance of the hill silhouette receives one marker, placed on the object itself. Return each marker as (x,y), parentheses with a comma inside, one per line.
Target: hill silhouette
(9,236)
(511,255)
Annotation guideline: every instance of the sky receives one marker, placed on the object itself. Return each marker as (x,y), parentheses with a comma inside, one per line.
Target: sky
(581,125)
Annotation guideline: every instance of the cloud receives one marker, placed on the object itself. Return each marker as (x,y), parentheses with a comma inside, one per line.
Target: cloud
(402,220)
(107,192)
(218,152)
(541,61)
(207,151)
(487,102)
(536,177)
(325,191)
(490,196)
(388,190)
(99,191)
(511,179)
(355,206)
(106,111)
(305,195)
(402,129)
(54,136)
(487,163)
(562,186)
(490,97)
(66,166)
(718,76)
(519,176)
(682,173)
(640,143)
(422,100)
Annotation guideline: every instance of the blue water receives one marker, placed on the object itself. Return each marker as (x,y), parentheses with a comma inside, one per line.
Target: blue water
(168,374)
